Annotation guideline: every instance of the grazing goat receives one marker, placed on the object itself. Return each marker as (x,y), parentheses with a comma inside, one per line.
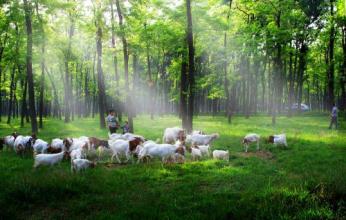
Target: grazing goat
(250,138)
(196,153)
(8,141)
(162,151)
(201,139)
(75,143)
(48,159)
(56,146)
(204,149)
(221,155)
(171,135)
(124,147)
(119,147)
(81,164)
(40,146)
(79,153)
(23,144)
(95,143)
(278,139)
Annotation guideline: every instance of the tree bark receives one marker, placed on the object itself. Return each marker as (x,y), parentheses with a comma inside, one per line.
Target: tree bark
(33,120)
(330,72)
(191,55)
(10,102)
(183,91)
(126,68)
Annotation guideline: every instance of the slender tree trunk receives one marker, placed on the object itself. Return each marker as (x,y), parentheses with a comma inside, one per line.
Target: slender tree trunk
(301,70)
(290,84)
(183,91)
(10,102)
(191,55)
(126,68)
(330,72)
(24,105)
(100,79)
(33,120)
(115,62)
(343,69)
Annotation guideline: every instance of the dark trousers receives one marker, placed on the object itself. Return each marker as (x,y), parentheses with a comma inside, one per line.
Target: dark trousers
(112,130)
(333,120)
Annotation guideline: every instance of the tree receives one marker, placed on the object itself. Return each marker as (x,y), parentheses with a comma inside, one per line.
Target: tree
(126,67)
(31,91)
(100,78)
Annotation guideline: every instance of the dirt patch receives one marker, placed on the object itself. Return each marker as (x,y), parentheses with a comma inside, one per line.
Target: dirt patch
(266,155)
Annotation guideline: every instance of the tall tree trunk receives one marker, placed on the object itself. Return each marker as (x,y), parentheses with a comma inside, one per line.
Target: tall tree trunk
(183,91)
(126,68)
(24,104)
(226,81)
(290,84)
(343,69)
(100,79)
(33,120)
(191,55)
(10,102)
(330,72)
(115,62)
(301,70)
(277,74)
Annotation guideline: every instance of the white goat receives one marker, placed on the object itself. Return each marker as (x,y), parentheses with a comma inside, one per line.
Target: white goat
(119,147)
(162,151)
(48,159)
(196,153)
(22,143)
(204,149)
(250,138)
(81,164)
(8,141)
(40,146)
(171,135)
(78,153)
(221,155)
(201,139)
(57,143)
(75,143)
(278,139)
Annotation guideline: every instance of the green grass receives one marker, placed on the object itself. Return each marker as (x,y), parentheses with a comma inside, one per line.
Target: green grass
(305,181)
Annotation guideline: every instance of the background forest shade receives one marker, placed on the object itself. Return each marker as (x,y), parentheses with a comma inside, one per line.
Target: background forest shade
(78,58)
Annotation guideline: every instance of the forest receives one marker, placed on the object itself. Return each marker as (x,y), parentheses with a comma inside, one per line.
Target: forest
(173,109)
(68,59)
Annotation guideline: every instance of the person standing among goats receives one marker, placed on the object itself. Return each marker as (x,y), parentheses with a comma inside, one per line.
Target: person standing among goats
(334,117)
(112,122)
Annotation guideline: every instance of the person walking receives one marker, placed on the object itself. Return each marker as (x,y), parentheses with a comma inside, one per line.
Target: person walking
(334,117)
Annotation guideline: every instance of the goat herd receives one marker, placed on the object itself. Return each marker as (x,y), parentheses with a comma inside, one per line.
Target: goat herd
(84,151)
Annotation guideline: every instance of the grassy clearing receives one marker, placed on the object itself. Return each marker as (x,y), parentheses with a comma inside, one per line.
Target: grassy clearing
(305,181)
